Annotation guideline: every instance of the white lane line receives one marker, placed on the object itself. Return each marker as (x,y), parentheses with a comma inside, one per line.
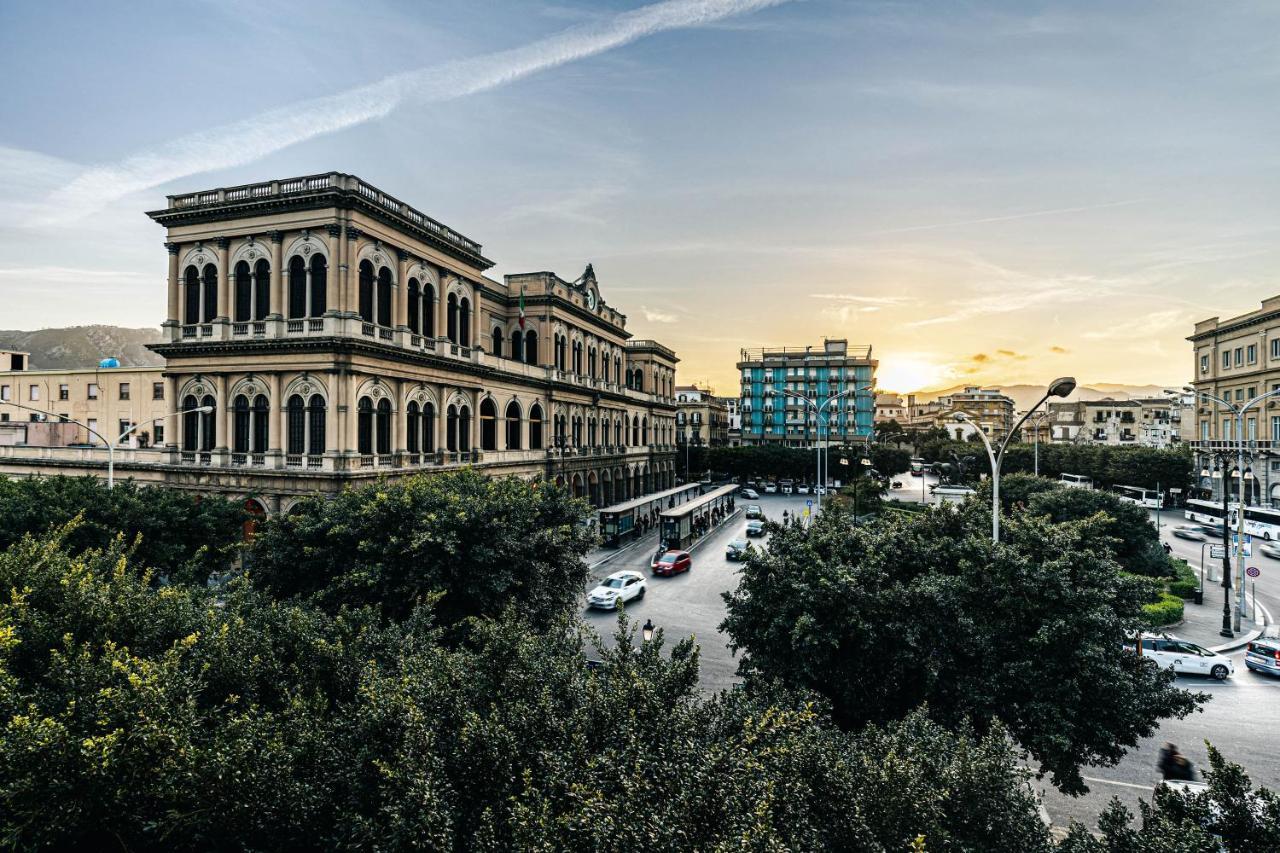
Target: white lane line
(1114,782)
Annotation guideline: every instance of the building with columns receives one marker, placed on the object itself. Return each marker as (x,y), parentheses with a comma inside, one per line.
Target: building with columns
(338,334)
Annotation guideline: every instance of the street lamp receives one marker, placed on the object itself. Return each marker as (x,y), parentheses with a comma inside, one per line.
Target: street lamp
(1238,411)
(647,630)
(1222,459)
(1061,387)
(1038,419)
(820,410)
(110,445)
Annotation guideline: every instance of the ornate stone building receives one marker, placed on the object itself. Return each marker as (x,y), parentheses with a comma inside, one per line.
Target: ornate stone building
(338,335)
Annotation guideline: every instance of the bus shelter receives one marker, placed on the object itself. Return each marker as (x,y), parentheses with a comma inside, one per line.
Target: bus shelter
(682,525)
(621,522)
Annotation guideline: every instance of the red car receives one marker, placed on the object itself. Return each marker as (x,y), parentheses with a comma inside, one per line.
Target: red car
(672,562)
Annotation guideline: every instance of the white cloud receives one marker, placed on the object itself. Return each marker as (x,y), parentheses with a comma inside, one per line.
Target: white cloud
(654,316)
(875,301)
(256,137)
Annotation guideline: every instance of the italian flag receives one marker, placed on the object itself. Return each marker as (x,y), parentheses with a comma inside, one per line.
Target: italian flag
(522,306)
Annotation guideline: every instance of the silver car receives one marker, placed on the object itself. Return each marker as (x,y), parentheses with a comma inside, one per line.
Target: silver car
(1189,531)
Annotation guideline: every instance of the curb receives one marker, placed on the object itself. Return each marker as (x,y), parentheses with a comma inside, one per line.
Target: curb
(1244,639)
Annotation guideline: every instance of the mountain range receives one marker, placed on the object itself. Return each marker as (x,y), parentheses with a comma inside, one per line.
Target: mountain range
(1025,396)
(83,346)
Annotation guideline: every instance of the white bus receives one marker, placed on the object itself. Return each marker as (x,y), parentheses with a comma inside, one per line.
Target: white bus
(1148,498)
(1258,521)
(1075,481)
(917,464)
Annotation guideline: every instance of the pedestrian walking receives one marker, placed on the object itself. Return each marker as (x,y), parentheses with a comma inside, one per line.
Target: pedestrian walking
(1174,765)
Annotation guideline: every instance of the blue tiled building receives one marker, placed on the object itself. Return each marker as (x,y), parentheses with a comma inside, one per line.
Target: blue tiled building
(771,416)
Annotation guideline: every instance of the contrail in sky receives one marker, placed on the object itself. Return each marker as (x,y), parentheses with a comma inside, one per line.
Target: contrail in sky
(254,138)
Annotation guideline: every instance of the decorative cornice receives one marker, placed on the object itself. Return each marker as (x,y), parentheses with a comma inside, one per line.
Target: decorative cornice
(334,230)
(172,247)
(353,233)
(277,236)
(224,242)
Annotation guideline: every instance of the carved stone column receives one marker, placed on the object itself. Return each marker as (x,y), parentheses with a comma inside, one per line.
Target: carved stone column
(350,294)
(400,293)
(279,275)
(336,272)
(175,311)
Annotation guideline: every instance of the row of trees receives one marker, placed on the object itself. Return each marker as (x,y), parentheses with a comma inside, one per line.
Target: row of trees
(402,668)
(768,462)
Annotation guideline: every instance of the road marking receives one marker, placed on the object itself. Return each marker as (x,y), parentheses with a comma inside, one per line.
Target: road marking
(1114,782)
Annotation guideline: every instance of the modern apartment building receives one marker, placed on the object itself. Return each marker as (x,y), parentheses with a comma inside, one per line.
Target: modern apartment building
(991,410)
(771,415)
(1236,360)
(701,417)
(339,334)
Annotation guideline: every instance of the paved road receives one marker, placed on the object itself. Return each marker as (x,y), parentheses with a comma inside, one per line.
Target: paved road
(689,604)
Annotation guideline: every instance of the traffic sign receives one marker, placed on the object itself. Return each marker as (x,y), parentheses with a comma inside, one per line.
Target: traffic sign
(1253,571)
(1217,552)
(808,503)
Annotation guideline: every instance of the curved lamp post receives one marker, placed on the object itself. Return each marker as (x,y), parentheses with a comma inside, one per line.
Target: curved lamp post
(820,410)
(1058,388)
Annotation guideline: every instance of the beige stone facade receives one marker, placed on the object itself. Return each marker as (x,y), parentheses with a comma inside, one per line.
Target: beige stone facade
(701,417)
(341,335)
(1144,422)
(989,409)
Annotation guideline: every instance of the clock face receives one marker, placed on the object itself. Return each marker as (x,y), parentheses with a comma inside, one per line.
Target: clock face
(591,299)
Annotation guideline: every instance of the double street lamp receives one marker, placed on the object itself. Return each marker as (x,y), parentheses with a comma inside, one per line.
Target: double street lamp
(1058,388)
(820,408)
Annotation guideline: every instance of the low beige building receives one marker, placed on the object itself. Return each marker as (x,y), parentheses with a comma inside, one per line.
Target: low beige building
(701,417)
(889,407)
(1144,422)
(990,410)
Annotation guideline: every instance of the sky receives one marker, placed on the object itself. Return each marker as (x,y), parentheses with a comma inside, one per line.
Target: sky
(984,192)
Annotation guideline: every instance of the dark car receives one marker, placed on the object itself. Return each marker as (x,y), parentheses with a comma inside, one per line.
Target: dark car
(1263,655)
(754,511)
(755,528)
(737,550)
(672,562)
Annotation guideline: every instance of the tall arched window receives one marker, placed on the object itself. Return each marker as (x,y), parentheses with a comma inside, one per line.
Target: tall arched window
(488,425)
(464,429)
(451,428)
(617,433)
(240,422)
(295,418)
(635,430)
(415,307)
(644,431)
(190,422)
(366,292)
(428,427)
(297,291)
(591,362)
(191,293)
(384,297)
(384,426)
(451,321)
(591,432)
(244,293)
(496,345)
(577,357)
(617,368)
(316,413)
(464,322)
(517,345)
(577,431)
(210,310)
(531,347)
(413,427)
(535,427)
(319,286)
(261,289)
(306,426)
(261,425)
(513,425)
(604,365)
(364,427)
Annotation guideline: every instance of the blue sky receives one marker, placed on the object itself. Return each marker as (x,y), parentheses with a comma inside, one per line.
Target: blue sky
(984,191)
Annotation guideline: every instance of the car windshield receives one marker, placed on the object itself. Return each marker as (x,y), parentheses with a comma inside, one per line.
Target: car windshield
(613,583)
(738,543)
(668,558)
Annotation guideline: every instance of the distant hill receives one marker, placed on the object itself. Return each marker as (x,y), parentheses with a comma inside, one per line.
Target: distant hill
(84,346)
(1025,396)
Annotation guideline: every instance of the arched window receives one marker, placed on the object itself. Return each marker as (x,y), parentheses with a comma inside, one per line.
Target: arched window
(577,357)
(535,427)
(617,368)
(591,432)
(366,292)
(488,425)
(428,427)
(513,425)
(384,426)
(240,422)
(415,307)
(428,310)
(635,430)
(384,297)
(464,429)
(617,433)
(208,421)
(316,414)
(191,293)
(413,427)
(190,421)
(210,309)
(577,431)
(464,322)
(644,431)
(319,285)
(244,293)
(296,418)
(261,289)
(497,342)
(639,379)
(604,366)
(297,292)
(517,345)
(451,428)
(531,347)
(591,362)
(451,320)
(364,427)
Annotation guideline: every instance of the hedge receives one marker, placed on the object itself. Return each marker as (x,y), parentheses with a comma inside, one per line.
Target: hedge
(1187,581)
(1166,611)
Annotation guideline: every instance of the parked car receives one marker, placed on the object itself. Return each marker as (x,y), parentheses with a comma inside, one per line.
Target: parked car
(915,473)
(770,488)
(1270,549)
(737,550)
(819,490)
(1189,531)
(754,511)
(1185,657)
(802,489)
(788,489)
(1263,655)
(751,494)
(755,528)
(619,587)
(897,484)
(672,562)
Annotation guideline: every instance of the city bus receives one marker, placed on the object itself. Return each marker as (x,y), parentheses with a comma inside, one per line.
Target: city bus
(1258,521)
(1075,481)
(1148,498)
(917,464)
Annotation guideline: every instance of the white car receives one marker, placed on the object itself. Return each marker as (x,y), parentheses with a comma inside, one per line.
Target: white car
(1189,531)
(770,488)
(751,494)
(616,589)
(802,489)
(1186,658)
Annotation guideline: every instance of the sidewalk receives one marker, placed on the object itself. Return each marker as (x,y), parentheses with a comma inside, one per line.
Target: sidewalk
(1201,623)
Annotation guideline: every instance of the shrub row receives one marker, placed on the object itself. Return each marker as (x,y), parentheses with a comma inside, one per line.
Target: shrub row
(1166,611)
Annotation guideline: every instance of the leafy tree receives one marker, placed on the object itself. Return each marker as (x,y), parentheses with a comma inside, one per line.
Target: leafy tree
(888,461)
(183,536)
(146,719)
(478,542)
(1128,531)
(880,619)
(1016,490)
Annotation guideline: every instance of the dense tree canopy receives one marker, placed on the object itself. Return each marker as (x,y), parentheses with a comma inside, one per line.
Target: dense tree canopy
(883,618)
(183,536)
(1106,465)
(478,542)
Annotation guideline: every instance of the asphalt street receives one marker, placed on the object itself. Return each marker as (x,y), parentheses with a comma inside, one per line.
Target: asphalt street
(1241,718)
